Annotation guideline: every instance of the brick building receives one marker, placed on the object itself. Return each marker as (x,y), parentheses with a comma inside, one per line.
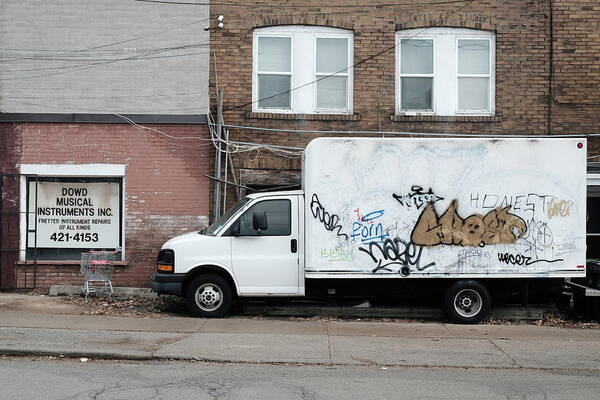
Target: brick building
(103,135)
(477,67)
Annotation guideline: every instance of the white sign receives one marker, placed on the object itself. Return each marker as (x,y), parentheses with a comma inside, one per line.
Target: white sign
(75,215)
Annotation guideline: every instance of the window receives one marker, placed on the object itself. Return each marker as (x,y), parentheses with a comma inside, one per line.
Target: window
(416,74)
(67,216)
(302,69)
(593,222)
(445,71)
(279,218)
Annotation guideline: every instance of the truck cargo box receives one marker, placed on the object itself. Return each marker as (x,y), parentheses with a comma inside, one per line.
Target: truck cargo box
(455,208)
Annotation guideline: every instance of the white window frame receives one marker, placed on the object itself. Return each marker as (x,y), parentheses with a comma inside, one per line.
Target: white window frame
(257,73)
(445,80)
(68,171)
(401,75)
(303,100)
(488,75)
(319,75)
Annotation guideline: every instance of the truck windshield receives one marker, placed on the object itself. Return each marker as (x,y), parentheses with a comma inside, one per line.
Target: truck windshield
(222,220)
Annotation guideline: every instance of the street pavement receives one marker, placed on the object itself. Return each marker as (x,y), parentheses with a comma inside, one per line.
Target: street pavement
(44,379)
(301,342)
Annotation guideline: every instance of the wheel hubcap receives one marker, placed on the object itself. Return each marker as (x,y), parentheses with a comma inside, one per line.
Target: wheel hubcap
(468,303)
(209,297)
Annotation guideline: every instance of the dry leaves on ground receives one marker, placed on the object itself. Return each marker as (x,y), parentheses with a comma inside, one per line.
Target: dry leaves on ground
(151,307)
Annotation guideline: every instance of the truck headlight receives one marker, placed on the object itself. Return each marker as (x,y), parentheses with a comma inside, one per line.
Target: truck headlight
(166,261)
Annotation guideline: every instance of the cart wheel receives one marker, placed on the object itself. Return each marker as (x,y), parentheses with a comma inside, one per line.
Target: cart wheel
(467,302)
(209,296)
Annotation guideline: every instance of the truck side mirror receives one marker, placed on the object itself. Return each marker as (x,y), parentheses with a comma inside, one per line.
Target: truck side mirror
(259,221)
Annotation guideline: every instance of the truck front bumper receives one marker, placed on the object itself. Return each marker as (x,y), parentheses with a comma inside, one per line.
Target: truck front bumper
(167,283)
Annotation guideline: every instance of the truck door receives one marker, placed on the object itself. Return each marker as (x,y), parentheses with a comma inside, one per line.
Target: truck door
(267,261)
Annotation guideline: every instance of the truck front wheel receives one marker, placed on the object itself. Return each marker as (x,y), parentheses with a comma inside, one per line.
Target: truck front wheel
(208,296)
(467,302)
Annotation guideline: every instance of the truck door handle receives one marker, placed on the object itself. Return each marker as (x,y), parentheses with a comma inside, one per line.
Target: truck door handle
(294,246)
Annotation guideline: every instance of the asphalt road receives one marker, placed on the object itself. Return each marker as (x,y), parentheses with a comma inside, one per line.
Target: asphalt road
(105,380)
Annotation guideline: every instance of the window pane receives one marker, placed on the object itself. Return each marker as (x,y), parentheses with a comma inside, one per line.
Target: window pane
(278,219)
(332,55)
(272,85)
(416,93)
(274,54)
(593,215)
(332,92)
(593,247)
(473,57)
(473,93)
(416,56)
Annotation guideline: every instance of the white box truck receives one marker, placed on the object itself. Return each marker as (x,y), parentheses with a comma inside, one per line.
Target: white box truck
(461,216)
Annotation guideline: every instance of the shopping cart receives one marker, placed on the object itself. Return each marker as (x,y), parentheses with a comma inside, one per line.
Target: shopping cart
(96,268)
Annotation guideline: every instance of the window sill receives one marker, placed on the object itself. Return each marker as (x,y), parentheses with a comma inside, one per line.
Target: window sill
(73,263)
(440,118)
(306,117)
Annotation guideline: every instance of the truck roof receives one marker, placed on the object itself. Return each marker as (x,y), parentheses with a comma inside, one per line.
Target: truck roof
(276,193)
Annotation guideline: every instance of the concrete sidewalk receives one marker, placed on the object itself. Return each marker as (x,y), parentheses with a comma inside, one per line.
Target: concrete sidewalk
(303,342)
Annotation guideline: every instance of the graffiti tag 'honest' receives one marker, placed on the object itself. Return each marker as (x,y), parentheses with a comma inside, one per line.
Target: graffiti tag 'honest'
(496,227)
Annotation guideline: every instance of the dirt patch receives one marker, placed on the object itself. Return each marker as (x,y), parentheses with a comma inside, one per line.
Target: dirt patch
(557,320)
(161,307)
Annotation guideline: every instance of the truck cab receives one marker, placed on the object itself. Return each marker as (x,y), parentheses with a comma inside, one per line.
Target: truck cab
(254,249)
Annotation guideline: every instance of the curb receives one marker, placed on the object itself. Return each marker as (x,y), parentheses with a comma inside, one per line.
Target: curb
(73,355)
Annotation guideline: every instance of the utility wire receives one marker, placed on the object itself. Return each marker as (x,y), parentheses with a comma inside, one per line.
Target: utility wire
(377,5)
(148,35)
(391,133)
(83,65)
(95,65)
(364,60)
(119,42)
(82,57)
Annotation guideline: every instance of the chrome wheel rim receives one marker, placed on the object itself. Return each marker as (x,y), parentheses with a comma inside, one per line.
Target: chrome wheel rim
(209,297)
(468,303)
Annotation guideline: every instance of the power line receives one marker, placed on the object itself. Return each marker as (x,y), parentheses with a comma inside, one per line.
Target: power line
(95,65)
(115,43)
(81,57)
(394,133)
(378,5)
(106,111)
(148,35)
(364,60)
(82,65)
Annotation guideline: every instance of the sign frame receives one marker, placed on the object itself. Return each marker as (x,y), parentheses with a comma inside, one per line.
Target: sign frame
(32,214)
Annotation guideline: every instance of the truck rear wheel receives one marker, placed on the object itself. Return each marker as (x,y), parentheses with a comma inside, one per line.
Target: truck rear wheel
(467,302)
(209,296)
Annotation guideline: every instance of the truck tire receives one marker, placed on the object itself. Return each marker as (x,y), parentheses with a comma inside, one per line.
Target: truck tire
(467,302)
(208,296)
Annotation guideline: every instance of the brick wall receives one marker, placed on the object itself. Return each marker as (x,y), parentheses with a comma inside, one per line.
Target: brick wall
(576,68)
(166,192)
(10,154)
(522,28)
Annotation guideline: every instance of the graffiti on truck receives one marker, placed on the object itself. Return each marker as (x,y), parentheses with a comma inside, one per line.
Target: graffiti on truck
(416,197)
(496,227)
(331,222)
(400,244)
(368,228)
(396,252)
